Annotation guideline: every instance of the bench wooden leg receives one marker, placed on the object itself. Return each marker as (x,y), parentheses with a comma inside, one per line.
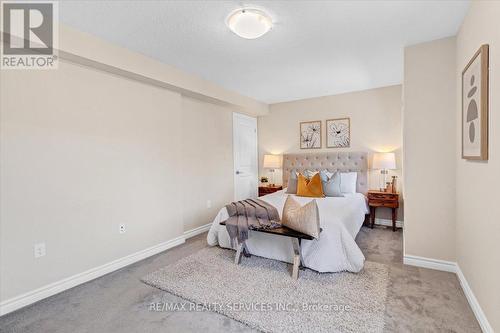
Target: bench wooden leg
(241,248)
(239,251)
(246,253)
(296,258)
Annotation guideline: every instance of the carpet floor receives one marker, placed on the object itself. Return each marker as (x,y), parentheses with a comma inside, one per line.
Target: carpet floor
(418,299)
(261,293)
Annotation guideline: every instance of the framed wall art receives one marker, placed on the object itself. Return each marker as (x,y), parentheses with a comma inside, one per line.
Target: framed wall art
(475,107)
(338,133)
(310,134)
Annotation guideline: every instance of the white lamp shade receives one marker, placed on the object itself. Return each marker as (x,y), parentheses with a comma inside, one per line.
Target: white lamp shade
(272,161)
(385,161)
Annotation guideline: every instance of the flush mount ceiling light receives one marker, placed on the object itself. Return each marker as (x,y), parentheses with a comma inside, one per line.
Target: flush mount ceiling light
(249,23)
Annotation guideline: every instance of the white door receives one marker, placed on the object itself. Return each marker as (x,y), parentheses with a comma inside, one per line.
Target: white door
(245,156)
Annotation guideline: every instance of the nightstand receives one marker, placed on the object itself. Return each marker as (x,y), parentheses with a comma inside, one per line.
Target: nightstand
(383,199)
(263,190)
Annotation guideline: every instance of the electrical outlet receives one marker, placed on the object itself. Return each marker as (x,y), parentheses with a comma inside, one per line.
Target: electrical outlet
(39,250)
(122,229)
(209,204)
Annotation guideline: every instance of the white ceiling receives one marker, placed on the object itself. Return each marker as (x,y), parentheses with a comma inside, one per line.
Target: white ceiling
(316,48)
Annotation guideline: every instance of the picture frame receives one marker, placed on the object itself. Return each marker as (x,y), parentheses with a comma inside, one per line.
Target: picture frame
(310,136)
(475,111)
(338,133)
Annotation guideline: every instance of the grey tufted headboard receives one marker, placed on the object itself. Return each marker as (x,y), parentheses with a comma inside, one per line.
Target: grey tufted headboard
(331,161)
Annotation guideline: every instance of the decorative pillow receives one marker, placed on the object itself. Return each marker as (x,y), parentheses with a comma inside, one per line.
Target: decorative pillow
(304,219)
(292,182)
(348,182)
(327,173)
(331,184)
(310,188)
(309,173)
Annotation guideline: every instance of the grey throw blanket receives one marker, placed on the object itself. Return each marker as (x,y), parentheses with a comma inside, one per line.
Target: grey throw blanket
(250,214)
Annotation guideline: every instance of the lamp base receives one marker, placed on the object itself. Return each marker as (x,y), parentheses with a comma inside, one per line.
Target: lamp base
(273,180)
(383,175)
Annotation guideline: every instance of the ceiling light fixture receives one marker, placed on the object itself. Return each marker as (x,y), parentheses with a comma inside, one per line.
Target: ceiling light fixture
(249,23)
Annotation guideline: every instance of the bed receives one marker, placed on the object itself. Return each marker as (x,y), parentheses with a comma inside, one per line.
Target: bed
(341,218)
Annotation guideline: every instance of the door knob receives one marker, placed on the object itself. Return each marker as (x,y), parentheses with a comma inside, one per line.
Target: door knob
(238,172)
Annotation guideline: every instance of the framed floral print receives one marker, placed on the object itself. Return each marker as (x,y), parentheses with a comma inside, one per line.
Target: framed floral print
(475,107)
(338,133)
(310,135)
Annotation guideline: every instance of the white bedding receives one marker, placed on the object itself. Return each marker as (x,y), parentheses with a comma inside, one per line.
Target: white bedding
(334,251)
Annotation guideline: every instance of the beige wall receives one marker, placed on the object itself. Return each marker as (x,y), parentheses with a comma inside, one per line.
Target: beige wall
(375,125)
(478,227)
(429,149)
(84,150)
(207,160)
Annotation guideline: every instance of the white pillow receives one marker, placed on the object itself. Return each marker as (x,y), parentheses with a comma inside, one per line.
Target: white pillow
(348,182)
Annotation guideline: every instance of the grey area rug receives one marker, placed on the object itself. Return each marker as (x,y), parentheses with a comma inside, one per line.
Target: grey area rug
(260,293)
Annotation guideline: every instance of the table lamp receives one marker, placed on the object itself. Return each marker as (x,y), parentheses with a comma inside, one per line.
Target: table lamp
(384,162)
(272,162)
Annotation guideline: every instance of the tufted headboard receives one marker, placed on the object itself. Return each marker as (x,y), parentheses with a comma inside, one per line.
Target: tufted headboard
(331,161)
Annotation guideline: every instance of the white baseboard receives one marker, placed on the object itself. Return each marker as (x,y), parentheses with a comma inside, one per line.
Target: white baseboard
(386,222)
(449,266)
(91,274)
(77,279)
(440,265)
(36,295)
(474,304)
(197,231)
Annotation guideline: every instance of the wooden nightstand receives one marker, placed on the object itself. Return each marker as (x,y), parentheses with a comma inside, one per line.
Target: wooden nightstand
(383,199)
(263,190)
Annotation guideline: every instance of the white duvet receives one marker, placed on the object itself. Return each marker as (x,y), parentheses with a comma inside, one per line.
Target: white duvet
(335,250)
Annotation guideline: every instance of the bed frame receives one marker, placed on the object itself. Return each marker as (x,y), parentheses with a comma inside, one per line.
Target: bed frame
(331,161)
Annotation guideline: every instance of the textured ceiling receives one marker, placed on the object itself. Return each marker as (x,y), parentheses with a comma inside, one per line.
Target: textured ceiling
(316,48)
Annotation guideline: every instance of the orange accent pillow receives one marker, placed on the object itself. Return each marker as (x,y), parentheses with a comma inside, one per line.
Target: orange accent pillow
(310,188)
